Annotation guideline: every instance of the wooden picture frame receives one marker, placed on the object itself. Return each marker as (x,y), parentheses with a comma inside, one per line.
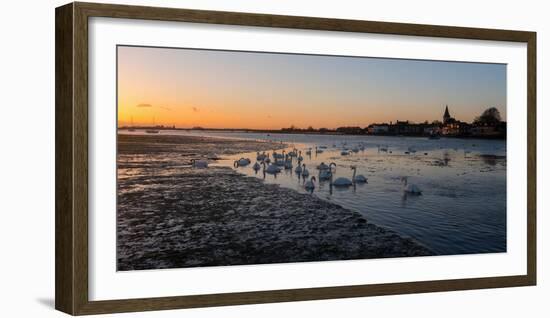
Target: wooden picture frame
(71,124)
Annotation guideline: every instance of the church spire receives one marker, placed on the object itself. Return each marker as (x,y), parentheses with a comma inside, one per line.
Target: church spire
(446,116)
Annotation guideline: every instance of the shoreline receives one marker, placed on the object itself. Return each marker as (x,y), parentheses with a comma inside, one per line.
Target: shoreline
(190,217)
(278,132)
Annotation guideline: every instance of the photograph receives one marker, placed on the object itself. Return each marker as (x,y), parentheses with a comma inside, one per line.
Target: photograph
(248,158)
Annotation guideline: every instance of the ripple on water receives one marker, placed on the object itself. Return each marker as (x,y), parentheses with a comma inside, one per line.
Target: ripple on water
(463,205)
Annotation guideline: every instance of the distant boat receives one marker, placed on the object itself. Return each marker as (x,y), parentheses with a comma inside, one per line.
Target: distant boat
(151,130)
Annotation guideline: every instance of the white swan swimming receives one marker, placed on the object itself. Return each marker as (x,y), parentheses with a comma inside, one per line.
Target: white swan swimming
(322,166)
(298,169)
(241,162)
(293,153)
(410,188)
(261,156)
(341,182)
(326,173)
(279,161)
(271,169)
(358,179)
(256,166)
(288,163)
(305,172)
(310,184)
(199,163)
(278,155)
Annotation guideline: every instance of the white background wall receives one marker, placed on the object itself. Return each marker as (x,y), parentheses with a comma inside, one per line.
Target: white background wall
(27,158)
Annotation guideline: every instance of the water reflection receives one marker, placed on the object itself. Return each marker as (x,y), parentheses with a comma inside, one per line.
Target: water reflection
(462,208)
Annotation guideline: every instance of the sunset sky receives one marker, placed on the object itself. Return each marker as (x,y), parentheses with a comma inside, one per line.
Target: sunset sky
(223,89)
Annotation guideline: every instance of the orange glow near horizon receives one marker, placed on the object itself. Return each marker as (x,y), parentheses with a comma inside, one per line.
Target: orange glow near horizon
(220,89)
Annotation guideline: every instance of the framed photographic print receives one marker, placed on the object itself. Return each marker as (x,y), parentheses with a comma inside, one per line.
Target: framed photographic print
(211,158)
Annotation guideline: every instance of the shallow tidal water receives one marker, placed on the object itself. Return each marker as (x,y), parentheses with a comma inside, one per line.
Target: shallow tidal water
(462,208)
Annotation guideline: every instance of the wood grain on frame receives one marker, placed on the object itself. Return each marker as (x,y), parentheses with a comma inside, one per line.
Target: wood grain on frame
(71,122)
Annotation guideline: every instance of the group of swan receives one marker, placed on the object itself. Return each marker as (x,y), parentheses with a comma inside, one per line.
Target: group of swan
(293,153)
(325,171)
(279,155)
(325,174)
(271,168)
(345,182)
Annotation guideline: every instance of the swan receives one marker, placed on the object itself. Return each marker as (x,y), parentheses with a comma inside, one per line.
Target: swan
(278,156)
(241,162)
(298,169)
(300,158)
(341,182)
(322,166)
(199,163)
(293,153)
(288,163)
(358,179)
(272,169)
(310,184)
(308,152)
(261,156)
(305,172)
(344,153)
(326,173)
(410,188)
(280,161)
(256,166)
(317,150)
(355,149)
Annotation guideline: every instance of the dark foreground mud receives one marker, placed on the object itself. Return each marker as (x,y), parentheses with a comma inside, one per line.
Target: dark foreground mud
(171,215)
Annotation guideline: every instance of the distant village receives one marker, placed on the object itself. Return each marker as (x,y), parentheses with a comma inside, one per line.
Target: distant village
(487,125)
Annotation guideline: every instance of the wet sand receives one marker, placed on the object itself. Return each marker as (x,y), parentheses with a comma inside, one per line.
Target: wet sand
(171,215)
